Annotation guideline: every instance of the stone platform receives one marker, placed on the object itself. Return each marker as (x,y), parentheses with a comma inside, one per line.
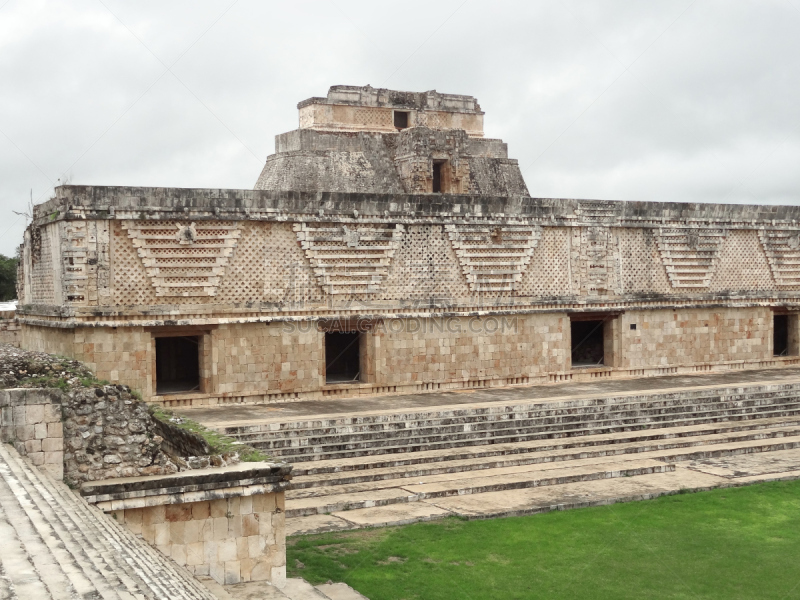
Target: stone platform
(522,450)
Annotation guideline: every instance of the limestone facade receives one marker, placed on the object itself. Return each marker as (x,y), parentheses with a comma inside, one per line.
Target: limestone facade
(478,286)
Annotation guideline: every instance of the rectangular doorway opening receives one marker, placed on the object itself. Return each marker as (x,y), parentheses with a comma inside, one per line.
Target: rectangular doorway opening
(437,177)
(177,364)
(342,356)
(401,119)
(780,335)
(587,343)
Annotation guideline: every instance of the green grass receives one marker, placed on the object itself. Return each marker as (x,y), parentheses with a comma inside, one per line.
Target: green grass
(736,543)
(220,443)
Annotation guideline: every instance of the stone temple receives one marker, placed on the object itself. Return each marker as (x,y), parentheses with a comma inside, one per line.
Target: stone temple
(388,247)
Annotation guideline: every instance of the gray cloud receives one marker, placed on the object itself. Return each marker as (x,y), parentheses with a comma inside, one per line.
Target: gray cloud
(676,101)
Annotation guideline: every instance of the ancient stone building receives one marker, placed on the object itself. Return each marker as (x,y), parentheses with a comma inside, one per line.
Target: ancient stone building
(389,247)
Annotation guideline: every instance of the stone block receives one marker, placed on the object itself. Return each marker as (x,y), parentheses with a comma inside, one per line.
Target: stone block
(178,554)
(148,532)
(53,444)
(255,546)
(194,553)
(34,414)
(177,530)
(153,515)
(232,572)
(219,508)
(40,431)
(54,458)
(226,550)
(178,512)
(201,510)
(162,534)
(220,528)
(250,525)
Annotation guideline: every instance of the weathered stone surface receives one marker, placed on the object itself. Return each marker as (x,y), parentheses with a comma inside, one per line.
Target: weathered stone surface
(479,287)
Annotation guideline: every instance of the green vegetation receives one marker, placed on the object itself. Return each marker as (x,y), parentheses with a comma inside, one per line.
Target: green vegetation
(8,278)
(736,543)
(220,444)
(61,373)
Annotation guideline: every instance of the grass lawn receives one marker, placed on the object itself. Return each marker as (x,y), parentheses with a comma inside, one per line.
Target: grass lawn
(728,544)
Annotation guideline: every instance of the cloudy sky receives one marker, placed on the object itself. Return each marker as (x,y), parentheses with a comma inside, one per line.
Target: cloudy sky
(651,100)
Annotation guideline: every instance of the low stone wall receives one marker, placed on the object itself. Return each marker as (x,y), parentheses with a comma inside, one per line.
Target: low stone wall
(227,523)
(108,433)
(30,419)
(9,328)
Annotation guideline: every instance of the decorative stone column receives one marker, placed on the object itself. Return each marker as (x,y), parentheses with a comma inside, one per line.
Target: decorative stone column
(225,522)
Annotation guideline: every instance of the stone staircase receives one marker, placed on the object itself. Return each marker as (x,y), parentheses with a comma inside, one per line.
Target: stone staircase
(352,462)
(294,589)
(56,546)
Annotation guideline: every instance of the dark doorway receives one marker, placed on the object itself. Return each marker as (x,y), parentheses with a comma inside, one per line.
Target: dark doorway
(437,177)
(587,343)
(780,335)
(400,119)
(342,356)
(177,364)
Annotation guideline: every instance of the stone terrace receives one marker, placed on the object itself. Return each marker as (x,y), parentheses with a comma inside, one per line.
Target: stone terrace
(521,450)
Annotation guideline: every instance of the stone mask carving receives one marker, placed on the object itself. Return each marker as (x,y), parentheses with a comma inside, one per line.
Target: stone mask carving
(187,234)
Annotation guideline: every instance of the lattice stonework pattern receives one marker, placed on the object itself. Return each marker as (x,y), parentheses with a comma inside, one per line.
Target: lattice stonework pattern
(595,261)
(350,259)
(494,258)
(184,259)
(783,254)
(690,255)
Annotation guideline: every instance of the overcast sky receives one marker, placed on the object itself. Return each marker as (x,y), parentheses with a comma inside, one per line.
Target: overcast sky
(670,101)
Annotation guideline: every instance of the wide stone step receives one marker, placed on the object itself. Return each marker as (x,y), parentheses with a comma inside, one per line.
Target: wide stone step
(77,536)
(108,544)
(98,557)
(59,566)
(307,502)
(510,424)
(468,413)
(400,445)
(783,439)
(20,578)
(758,427)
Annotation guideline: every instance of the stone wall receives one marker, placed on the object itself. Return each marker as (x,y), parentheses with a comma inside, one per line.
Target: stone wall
(698,336)
(470,348)
(279,361)
(9,329)
(30,419)
(225,523)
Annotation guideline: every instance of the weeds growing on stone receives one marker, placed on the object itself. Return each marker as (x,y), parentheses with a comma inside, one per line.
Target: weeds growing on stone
(219,443)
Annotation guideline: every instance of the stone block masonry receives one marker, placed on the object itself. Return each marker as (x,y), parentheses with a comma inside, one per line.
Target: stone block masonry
(227,523)
(390,208)
(30,419)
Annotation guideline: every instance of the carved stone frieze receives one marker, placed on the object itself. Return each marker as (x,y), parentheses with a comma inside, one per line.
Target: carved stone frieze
(690,255)
(783,255)
(595,261)
(349,259)
(184,259)
(493,258)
